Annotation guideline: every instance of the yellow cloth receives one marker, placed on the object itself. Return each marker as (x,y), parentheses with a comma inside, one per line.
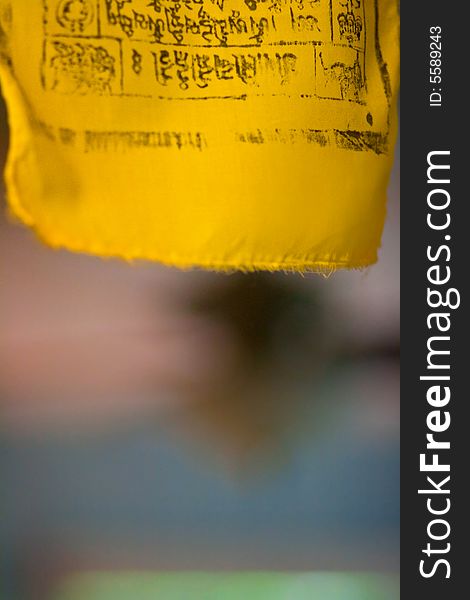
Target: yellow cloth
(217,133)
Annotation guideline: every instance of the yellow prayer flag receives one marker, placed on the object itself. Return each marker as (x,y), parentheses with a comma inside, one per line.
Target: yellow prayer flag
(226,134)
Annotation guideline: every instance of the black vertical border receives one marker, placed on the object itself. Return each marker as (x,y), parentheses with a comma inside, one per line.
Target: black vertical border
(424,129)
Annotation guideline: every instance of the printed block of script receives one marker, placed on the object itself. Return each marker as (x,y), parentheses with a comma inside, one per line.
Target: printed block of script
(321,51)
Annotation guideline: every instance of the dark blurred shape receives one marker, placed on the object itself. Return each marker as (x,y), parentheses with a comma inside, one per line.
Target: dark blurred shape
(256,307)
(277,335)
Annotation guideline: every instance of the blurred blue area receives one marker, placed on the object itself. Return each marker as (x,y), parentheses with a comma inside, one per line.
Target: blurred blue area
(143,484)
(147,498)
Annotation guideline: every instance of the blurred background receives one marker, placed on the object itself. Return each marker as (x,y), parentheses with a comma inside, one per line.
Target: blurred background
(155,421)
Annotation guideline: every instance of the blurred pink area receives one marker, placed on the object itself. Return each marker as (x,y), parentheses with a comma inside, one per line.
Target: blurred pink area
(87,339)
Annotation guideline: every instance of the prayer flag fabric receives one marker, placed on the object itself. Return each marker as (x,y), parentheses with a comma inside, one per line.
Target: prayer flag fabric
(224,134)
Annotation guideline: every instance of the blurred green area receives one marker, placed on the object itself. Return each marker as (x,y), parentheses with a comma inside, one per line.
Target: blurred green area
(239,586)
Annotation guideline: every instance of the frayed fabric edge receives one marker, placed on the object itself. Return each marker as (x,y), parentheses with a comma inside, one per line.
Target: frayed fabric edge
(303,266)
